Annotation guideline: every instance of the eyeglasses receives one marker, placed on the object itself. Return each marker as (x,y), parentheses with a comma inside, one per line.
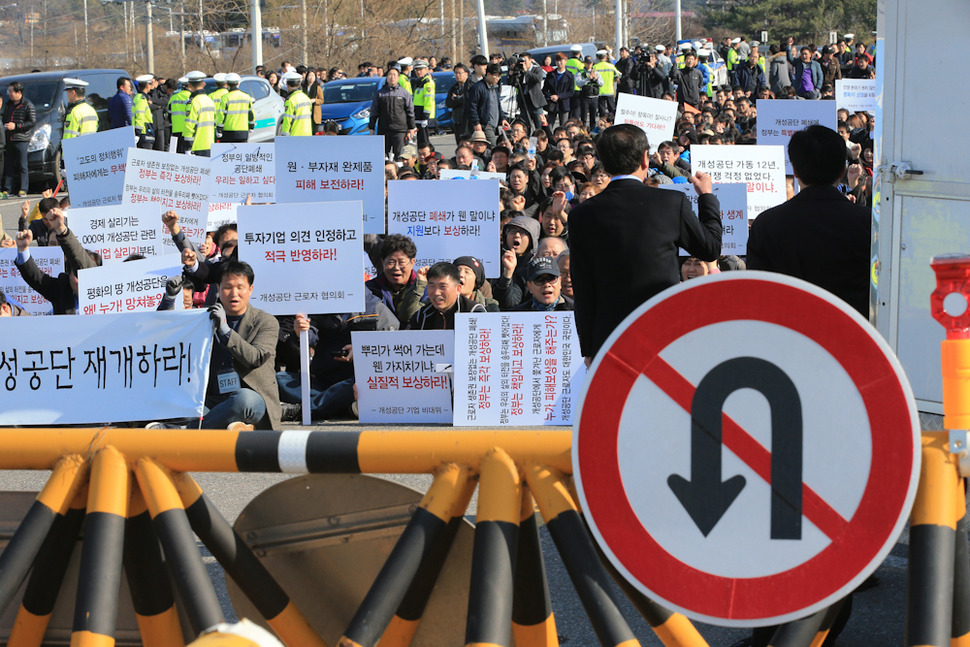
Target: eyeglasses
(545,278)
(392,263)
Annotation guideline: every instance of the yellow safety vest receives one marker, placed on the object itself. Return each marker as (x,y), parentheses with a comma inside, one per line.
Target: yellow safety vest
(217,94)
(235,112)
(424,97)
(200,125)
(178,107)
(732,59)
(405,82)
(141,113)
(607,72)
(575,66)
(81,120)
(710,79)
(297,115)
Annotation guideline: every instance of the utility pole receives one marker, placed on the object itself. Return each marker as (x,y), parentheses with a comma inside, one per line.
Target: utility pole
(545,23)
(149,38)
(255,33)
(454,47)
(482,29)
(85,27)
(619,25)
(461,29)
(678,32)
(303,27)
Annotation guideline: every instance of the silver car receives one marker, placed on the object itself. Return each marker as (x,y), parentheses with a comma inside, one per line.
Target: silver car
(267,106)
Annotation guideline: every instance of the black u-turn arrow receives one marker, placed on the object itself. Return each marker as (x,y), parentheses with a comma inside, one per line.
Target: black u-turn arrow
(705,497)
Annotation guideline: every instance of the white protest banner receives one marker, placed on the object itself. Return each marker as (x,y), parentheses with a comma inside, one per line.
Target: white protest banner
(447,220)
(307,260)
(239,170)
(119,231)
(135,286)
(762,168)
(457,174)
(855,95)
(333,169)
(778,120)
(94,166)
(49,260)
(655,117)
(115,368)
(733,200)
(179,182)
(517,368)
(401,375)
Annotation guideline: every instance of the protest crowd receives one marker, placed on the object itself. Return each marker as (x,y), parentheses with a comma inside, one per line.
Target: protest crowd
(554,155)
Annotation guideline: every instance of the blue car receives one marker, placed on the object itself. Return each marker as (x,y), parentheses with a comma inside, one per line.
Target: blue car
(442,83)
(348,102)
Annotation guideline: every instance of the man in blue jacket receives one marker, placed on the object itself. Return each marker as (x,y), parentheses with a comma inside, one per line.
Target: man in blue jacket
(119,107)
(808,75)
(483,105)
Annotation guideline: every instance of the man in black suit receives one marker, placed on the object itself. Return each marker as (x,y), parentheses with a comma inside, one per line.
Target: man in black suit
(624,241)
(818,235)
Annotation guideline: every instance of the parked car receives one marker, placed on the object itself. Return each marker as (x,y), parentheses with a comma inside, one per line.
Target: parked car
(540,53)
(348,102)
(46,91)
(267,106)
(442,84)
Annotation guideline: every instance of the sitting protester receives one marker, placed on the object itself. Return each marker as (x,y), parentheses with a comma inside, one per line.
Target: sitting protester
(397,284)
(10,308)
(473,283)
(545,286)
(445,299)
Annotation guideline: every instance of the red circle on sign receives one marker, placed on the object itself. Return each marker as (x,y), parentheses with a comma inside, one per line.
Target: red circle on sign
(861,540)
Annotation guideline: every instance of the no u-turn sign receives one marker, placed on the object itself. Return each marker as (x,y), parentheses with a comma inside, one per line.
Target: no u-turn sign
(747,448)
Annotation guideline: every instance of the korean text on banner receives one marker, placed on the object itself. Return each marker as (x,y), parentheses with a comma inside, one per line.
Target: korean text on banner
(119,231)
(50,260)
(404,376)
(762,168)
(305,261)
(94,166)
(655,117)
(115,368)
(239,170)
(447,220)
(733,199)
(457,174)
(778,120)
(517,368)
(135,286)
(333,169)
(178,182)
(855,95)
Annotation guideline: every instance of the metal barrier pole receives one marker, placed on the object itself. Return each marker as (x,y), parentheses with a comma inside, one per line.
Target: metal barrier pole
(805,632)
(47,576)
(404,625)
(181,555)
(960,626)
(493,554)
(244,567)
(151,593)
(579,555)
(99,580)
(533,623)
(429,522)
(52,501)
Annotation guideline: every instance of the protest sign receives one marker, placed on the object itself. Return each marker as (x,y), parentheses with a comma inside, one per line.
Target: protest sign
(237,171)
(656,117)
(404,376)
(306,262)
(178,182)
(447,220)
(733,200)
(50,260)
(457,174)
(333,169)
(135,286)
(115,368)
(855,95)
(94,166)
(778,120)
(517,368)
(762,168)
(118,231)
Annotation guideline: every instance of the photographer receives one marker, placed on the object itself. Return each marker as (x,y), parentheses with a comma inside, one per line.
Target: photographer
(527,77)
(650,77)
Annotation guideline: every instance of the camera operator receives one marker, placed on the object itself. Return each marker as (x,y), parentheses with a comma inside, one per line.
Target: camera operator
(650,77)
(528,79)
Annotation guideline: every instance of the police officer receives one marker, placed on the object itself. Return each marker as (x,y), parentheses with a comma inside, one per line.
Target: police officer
(707,72)
(200,123)
(234,117)
(609,75)
(141,109)
(424,103)
(221,89)
(298,109)
(575,65)
(82,118)
(178,108)
(405,80)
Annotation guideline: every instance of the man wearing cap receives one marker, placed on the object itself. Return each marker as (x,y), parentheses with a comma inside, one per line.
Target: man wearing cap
(609,75)
(392,113)
(234,116)
(543,280)
(178,108)
(707,72)
(831,69)
(142,112)
(424,100)
(119,106)
(200,124)
(406,67)
(483,105)
(298,109)
(733,58)
(663,57)
(221,89)
(82,118)
(575,66)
